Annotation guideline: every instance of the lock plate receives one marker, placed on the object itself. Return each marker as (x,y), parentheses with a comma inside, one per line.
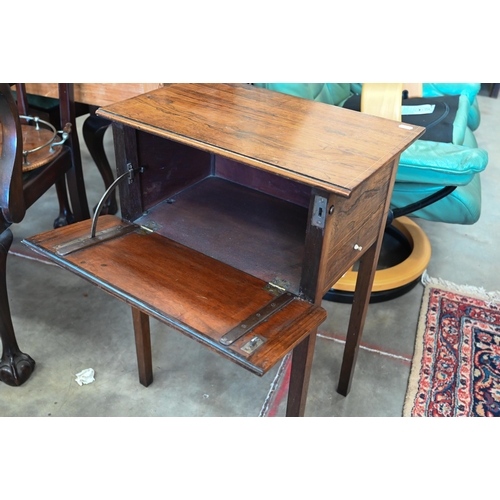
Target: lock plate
(319,212)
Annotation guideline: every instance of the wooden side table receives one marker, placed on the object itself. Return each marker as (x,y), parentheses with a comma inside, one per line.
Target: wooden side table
(240,208)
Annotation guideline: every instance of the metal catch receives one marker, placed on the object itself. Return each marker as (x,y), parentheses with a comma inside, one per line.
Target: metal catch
(319,212)
(253,344)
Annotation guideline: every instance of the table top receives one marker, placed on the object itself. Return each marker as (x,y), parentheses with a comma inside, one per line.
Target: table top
(314,143)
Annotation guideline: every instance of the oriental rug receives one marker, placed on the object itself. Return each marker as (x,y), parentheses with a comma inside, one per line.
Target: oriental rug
(456,364)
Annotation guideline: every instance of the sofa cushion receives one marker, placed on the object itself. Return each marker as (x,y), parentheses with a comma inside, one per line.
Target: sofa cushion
(440,164)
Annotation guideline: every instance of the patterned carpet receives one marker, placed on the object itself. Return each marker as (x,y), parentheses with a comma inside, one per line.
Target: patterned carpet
(456,365)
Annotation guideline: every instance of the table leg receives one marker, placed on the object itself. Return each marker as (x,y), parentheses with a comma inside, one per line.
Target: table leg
(366,274)
(302,357)
(15,366)
(143,346)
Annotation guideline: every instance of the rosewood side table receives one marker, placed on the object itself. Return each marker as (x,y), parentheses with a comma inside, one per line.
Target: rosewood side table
(240,208)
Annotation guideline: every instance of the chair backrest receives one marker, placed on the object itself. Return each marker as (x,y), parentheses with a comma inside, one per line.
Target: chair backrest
(11,182)
(17,192)
(382,99)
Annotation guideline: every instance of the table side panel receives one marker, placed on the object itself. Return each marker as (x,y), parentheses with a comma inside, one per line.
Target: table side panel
(355,221)
(125,143)
(169,167)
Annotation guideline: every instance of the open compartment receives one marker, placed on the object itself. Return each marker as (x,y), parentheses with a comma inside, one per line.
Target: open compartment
(249,219)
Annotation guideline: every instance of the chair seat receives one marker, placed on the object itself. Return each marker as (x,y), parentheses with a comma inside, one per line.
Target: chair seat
(33,139)
(426,166)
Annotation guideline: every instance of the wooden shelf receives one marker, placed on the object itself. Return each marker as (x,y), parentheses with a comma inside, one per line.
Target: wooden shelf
(242,227)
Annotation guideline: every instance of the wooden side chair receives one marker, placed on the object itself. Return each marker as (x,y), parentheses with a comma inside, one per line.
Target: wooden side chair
(94,128)
(33,159)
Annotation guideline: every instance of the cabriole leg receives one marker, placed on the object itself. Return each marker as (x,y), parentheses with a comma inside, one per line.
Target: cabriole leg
(15,366)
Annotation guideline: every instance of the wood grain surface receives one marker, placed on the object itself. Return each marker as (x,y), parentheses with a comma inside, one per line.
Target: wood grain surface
(96,94)
(315,143)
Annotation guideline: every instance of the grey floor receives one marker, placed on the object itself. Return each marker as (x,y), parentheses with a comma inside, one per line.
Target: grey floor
(68,325)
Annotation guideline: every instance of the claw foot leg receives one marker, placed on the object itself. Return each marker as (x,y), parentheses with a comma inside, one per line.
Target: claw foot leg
(15,366)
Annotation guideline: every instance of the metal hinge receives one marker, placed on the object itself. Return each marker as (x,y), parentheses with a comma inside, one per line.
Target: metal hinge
(100,237)
(247,325)
(103,236)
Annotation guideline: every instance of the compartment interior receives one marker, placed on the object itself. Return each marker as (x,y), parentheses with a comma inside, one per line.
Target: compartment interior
(247,218)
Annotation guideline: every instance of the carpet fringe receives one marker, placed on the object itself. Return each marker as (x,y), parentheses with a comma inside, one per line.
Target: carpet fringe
(473,291)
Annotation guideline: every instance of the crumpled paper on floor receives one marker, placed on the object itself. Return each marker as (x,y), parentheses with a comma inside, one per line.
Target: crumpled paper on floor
(85,376)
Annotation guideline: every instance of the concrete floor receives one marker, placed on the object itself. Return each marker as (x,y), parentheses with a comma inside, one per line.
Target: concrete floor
(68,325)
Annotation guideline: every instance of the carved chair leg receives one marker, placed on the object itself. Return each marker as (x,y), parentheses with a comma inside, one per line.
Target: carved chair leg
(15,366)
(143,346)
(94,128)
(65,215)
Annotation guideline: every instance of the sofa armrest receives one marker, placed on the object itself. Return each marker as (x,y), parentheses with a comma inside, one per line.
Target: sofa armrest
(442,164)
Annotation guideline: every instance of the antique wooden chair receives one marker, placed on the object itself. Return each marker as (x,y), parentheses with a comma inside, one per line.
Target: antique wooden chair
(30,164)
(42,97)
(94,128)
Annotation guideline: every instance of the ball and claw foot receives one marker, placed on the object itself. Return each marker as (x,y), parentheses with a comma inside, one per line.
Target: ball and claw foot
(16,369)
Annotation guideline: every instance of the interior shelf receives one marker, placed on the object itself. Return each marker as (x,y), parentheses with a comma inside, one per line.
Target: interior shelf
(252,231)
